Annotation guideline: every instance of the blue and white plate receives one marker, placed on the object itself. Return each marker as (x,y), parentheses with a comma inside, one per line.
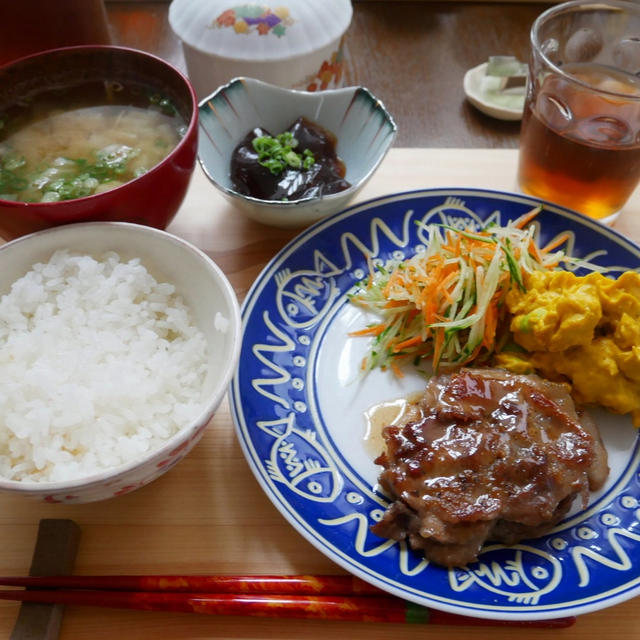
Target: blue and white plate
(298,403)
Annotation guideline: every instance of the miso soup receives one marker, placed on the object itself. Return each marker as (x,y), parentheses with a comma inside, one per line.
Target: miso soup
(76,142)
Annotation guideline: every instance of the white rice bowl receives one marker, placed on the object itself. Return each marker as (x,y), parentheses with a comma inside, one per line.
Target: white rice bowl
(110,373)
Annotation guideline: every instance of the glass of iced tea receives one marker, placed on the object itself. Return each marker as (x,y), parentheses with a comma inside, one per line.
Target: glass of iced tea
(580,137)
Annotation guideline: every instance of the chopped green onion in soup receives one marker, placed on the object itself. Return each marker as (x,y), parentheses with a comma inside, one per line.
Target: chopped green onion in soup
(50,153)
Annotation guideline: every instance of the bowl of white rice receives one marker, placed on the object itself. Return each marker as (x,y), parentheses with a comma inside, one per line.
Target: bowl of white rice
(117,344)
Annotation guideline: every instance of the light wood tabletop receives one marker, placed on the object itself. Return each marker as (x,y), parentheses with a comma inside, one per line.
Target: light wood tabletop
(208,515)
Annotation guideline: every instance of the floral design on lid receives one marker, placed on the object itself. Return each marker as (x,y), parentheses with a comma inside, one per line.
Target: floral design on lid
(249,18)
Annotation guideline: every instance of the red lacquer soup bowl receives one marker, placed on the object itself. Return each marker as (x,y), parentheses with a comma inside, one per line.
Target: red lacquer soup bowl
(77,75)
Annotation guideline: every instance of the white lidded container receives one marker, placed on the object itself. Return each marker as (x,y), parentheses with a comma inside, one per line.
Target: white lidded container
(296,44)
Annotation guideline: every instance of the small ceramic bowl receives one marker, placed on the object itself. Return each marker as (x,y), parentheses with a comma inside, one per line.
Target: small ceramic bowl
(363,127)
(152,198)
(204,289)
(295,43)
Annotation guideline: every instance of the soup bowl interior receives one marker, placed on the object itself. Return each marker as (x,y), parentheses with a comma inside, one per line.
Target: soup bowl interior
(154,197)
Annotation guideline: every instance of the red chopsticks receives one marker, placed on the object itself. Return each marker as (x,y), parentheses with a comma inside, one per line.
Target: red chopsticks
(343,585)
(323,597)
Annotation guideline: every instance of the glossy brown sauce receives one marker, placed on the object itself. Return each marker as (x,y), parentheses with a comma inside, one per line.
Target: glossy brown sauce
(324,177)
(390,412)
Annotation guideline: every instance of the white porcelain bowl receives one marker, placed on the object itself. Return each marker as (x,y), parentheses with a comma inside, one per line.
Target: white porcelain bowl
(294,43)
(363,127)
(204,289)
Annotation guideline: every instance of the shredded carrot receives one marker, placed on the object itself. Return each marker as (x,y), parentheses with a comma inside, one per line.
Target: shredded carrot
(554,244)
(409,342)
(443,288)
(374,330)
(395,303)
(371,274)
(446,303)
(438,345)
(534,251)
(473,355)
(490,325)
(397,370)
(525,219)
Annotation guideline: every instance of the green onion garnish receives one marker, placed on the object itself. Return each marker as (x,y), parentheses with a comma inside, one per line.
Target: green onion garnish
(277,154)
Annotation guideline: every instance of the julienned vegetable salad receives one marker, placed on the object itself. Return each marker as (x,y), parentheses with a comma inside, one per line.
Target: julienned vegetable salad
(446,303)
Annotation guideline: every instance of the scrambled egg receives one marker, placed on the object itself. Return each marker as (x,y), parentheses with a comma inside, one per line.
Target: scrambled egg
(584,330)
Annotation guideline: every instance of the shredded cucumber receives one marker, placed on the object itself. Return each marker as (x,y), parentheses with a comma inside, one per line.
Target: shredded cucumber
(446,304)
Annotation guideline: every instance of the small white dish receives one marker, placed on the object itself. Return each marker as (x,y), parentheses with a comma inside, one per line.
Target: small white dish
(489,102)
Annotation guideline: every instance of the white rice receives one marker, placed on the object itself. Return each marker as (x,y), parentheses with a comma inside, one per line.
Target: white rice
(99,364)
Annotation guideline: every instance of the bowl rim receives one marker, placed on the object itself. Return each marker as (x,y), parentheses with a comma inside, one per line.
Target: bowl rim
(184,141)
(209,407)
(280,204)
(283,59)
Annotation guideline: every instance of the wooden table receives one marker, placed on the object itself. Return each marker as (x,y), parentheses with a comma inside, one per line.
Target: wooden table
(208,514)
(412,55)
